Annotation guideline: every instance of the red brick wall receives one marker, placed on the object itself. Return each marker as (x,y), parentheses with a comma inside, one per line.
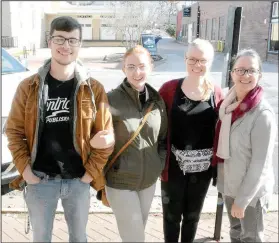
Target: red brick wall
(254,26)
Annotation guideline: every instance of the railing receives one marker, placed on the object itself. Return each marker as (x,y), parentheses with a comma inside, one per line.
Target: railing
(8,41)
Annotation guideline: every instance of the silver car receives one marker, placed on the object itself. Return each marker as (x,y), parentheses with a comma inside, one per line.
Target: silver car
(13,72)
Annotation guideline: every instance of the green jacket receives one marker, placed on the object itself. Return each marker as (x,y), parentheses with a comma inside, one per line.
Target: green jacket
(140,165)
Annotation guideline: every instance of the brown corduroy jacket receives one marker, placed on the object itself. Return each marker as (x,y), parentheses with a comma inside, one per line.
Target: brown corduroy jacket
(90,115)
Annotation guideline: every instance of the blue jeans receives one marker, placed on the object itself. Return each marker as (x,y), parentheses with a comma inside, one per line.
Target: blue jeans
(42,199)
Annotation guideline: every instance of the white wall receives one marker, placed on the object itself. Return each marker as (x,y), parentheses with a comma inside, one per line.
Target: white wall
(6,19)
(26,22)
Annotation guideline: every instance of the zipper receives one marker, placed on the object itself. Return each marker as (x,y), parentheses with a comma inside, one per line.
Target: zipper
(75,118)
(35,143)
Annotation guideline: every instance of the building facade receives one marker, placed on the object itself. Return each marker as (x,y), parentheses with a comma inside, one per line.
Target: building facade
(95,19)
(259,25)
(22,24)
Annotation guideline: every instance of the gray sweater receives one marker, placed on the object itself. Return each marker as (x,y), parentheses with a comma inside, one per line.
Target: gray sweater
(248,174)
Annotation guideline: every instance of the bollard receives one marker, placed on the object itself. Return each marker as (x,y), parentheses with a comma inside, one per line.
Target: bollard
(218,218)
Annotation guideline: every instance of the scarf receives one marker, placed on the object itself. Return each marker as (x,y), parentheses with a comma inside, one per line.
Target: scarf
(229,111)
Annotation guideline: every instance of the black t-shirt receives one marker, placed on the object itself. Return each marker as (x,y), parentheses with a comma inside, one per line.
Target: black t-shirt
(192,132)
(56,153)
(193,122)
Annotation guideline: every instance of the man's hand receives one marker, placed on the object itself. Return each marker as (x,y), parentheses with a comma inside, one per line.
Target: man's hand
(29,176)
(237,212)
(86,178)
(102,139)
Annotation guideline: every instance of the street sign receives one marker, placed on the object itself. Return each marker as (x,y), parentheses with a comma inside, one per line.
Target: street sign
(187,12)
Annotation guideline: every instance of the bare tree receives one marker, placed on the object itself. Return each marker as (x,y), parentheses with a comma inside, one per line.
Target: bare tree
(169,8)
(132,18)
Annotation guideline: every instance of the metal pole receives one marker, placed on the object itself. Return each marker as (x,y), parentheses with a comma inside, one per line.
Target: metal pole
(218,218)
(198,21)
(232,44)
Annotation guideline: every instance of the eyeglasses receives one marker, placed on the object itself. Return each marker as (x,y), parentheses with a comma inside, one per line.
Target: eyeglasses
(60,40)
(134,68)
(193,61)
(242,71)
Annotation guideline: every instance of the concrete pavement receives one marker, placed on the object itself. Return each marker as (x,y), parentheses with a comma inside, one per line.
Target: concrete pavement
(103,228)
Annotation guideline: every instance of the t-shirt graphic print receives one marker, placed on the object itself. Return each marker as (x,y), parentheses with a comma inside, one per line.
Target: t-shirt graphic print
(57,110)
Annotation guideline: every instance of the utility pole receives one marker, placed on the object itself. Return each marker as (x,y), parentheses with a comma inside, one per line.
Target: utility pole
(198,21)
(231,49)
(231,42)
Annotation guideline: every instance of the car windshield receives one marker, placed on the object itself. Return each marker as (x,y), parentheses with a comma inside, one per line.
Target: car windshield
(10,64)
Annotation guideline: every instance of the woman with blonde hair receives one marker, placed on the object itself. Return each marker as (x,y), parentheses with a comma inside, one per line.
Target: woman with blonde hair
(190,103)
(131,180)
(243,148)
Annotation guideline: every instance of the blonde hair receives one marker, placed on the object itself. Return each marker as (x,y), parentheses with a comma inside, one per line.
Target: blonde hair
(137,49)
(206,47)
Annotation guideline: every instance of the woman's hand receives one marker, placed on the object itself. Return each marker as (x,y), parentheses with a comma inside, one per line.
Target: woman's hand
(237,212)
(102,139)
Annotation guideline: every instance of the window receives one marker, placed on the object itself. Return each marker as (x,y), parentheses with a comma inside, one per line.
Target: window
(213,30)
(33,19)
(86,26)
(184,30)
(273,38)
(10,64)
(194,30)
(207,29)
(221,32)
(202,31)
(273,42)
(275,10)
(107,32)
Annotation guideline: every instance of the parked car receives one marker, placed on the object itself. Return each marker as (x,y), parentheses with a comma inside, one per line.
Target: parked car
(13,72)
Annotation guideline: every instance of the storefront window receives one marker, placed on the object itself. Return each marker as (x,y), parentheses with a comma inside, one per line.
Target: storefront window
(275,10)
(274,26)
(213,30)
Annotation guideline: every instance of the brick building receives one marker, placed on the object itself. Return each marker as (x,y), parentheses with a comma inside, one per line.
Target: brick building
(259,27)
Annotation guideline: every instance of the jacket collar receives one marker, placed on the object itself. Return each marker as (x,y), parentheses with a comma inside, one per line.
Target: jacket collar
(81,73)
(151,94)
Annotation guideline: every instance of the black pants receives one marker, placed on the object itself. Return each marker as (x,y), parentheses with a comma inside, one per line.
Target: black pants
(183,195)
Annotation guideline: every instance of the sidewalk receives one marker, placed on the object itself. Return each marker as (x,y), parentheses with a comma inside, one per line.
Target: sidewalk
(102,228)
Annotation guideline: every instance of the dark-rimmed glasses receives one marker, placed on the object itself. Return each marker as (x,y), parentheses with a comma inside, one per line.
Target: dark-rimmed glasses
(60,40)
(193,61)
(243,71)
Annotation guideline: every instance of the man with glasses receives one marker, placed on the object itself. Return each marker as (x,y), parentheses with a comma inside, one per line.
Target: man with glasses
(54,115)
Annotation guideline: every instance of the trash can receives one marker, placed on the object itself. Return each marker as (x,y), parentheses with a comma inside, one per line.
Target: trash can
(148,41)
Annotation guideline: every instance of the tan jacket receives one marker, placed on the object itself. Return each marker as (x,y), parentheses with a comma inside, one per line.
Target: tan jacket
(91,114)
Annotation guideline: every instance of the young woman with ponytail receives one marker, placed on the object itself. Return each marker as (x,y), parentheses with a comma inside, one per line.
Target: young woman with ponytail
(190,103)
